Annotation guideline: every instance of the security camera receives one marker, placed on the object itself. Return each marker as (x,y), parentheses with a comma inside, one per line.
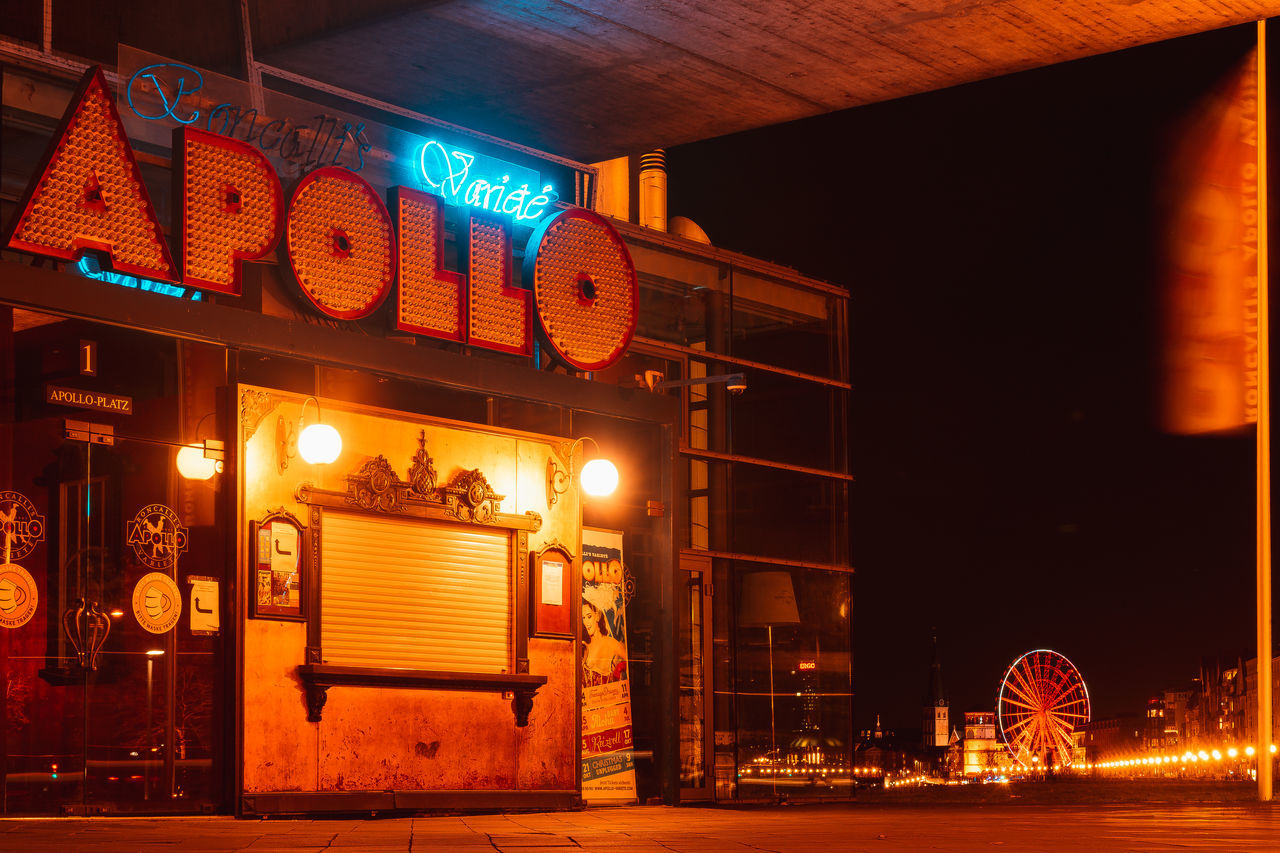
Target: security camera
(737,386)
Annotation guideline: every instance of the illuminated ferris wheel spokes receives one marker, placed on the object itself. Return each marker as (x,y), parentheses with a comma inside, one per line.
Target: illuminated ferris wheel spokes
(1042,700)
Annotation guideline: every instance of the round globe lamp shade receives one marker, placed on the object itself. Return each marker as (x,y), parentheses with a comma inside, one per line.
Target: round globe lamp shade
(193,465)
(768,599)
(599,478)
(319,444)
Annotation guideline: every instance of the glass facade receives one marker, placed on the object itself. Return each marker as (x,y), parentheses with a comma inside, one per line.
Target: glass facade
(765,699)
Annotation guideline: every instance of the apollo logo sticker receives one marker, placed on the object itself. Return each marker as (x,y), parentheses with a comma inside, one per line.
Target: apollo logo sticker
(157,605)
(21,527)
(21,530)
(18,596)
(156,536)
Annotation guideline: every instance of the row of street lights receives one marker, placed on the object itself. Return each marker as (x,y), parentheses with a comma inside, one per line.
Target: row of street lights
(1187,758)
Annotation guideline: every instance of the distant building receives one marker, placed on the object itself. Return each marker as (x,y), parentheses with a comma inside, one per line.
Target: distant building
(1251,701)
(953,765)
(1218,710)
(936,722)
(1111,737)
(888,750)
(984,752)
(1221,712)
(1153,729)
(1177,703)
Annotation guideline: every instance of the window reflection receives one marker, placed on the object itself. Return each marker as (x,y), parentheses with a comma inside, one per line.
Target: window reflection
(792,656)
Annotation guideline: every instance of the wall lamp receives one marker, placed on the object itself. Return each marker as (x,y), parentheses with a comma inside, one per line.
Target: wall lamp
(200,460)
(317,443)
(655,381)
(598,478)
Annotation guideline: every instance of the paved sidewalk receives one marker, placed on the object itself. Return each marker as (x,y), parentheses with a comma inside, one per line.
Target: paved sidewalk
(826,828)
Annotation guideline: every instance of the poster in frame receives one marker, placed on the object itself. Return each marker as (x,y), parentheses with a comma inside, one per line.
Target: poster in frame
(277,550)
(550,601)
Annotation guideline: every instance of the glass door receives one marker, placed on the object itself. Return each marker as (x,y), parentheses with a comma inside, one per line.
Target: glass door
(109,593)
(693,592)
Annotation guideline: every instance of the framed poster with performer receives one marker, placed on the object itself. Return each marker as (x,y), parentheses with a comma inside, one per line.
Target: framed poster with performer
(277,567)
(608,757)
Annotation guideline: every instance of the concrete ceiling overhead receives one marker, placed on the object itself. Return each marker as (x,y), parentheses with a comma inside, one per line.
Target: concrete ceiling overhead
(592,79)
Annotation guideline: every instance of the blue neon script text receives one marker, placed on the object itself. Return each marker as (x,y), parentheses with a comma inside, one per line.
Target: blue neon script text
(189,81)
(323,141)
(461,177)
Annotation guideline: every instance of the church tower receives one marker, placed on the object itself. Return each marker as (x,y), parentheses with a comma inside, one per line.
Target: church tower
(936,727)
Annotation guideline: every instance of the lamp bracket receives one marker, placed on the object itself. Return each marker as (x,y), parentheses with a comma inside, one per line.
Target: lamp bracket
(725,378)
(560,479)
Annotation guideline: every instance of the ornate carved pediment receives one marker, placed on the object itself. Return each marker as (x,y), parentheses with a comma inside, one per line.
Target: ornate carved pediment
(469,497)
(376,487)
(422,471)
(254,406)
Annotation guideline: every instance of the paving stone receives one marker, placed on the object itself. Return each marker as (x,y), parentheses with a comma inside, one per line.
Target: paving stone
(541,840)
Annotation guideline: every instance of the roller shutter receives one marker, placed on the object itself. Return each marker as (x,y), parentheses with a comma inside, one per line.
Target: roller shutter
(414,594)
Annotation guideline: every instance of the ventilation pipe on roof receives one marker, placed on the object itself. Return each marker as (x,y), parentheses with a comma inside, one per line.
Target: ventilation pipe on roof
(653,200)
(653,190)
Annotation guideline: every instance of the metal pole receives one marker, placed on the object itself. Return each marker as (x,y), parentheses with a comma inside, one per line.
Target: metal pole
(146,783)
(1264,444)
(773,725)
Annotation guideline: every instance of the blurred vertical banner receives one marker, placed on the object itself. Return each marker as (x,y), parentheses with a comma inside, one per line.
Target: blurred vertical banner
(1210,278)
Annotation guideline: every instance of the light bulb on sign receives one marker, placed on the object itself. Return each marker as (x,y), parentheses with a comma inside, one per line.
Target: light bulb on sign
(319,444)
(193,465)
(599,478)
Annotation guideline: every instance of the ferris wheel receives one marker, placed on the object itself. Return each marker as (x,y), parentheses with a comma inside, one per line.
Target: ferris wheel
(1042,700)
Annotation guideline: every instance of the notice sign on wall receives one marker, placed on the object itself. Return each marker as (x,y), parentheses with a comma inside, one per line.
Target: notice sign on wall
(204,606)
(552,583)
(608,763)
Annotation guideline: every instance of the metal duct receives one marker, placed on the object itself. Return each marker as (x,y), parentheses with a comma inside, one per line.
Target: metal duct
(653,190)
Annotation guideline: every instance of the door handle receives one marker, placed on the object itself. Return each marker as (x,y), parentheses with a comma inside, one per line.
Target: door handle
(87,628)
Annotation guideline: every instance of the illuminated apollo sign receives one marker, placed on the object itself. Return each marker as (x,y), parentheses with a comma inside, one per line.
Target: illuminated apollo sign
(348,249)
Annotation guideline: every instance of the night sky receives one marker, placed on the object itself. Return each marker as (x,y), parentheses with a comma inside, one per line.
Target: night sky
(1000,241)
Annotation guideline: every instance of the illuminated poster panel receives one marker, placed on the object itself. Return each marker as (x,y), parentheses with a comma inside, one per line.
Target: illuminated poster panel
(608,762)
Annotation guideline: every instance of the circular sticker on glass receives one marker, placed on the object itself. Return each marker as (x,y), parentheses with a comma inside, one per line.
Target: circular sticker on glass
(21,527)
(156,602)
(18,596)
(157,536)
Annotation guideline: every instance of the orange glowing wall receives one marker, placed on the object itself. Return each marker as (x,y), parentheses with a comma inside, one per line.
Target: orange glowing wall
(378,738)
